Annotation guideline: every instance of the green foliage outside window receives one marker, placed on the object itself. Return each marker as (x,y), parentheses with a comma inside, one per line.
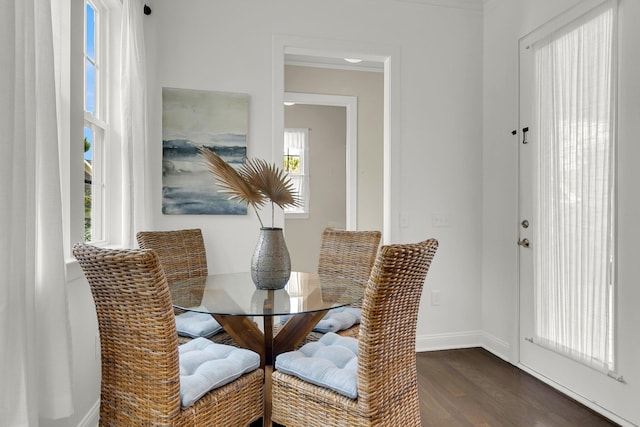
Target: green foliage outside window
(87,194)
(292,164)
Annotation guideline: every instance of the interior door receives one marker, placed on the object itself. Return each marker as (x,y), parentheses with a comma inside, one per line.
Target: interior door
(583,382)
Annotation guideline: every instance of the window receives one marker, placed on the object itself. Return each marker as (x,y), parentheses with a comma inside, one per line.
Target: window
(87,78)
(95,126)
(296,164)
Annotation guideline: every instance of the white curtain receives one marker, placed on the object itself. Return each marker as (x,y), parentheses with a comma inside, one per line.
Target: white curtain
(134,122)
(35,360)
(575,177)
(295,139)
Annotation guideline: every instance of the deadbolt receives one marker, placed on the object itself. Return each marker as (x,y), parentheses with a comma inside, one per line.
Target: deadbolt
(525,223)
(524,243)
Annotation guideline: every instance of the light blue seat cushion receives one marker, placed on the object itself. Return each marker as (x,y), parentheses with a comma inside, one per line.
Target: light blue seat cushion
(205,365)
(330,362)
(194,325)
(336,319)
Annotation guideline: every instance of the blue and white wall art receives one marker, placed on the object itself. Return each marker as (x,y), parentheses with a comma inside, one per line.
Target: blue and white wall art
(218,121)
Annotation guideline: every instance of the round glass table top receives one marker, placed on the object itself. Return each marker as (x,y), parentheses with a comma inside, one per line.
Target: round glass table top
(236,294)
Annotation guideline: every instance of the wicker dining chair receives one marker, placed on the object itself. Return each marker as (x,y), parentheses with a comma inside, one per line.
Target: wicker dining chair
(141,373)
(183,256)
(346,254)
(387,393)
(182,252)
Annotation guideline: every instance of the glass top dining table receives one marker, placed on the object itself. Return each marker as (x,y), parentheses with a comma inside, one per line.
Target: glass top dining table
(233,300)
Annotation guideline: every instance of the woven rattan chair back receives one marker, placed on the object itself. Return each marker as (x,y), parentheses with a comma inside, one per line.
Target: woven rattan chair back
(387,374)
(183,256)
(139,347)
(387,340)
(138,339)
(182,252)
(348,254)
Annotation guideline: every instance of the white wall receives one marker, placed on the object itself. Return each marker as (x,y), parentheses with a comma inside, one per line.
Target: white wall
(227,46)
(505,22)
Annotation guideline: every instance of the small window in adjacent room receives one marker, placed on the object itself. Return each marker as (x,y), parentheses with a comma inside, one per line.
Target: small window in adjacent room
(296,164)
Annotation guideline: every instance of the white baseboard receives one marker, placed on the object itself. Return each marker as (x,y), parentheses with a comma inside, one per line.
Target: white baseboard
(92,417)
(468,339)
(448,341)
(496,346)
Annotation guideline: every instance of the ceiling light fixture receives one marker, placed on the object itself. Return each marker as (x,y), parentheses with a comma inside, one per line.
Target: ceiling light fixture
(289,103)
(353,60)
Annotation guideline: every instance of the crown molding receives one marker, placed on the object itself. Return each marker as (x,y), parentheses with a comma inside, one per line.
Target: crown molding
(334,64)
(474,5)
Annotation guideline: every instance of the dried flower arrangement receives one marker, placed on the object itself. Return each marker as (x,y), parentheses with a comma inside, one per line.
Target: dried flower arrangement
(255,183)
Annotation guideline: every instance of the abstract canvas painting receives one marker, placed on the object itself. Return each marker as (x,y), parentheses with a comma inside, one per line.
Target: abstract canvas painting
(218,121)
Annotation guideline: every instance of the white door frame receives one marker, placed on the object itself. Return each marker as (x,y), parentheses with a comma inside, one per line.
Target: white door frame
(331,48)
(351,105)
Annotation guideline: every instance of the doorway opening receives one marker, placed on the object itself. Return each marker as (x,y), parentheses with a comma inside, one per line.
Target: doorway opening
(328,53)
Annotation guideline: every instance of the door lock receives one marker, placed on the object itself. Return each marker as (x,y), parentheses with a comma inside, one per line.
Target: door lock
(525,223)
(524,243)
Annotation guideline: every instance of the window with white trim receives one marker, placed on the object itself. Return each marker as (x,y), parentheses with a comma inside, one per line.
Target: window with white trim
(95,124)
(296,164)
(87,45)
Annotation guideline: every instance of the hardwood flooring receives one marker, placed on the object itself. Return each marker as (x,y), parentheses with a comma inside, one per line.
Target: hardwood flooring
(472,387)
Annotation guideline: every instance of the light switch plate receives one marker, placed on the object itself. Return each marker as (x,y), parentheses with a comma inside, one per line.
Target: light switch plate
(439,220)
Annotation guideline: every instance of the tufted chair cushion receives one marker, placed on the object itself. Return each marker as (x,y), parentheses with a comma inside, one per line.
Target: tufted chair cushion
(205,365)
(330,362)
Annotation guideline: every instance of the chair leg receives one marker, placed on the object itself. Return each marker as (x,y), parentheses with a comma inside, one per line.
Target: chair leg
(258,423)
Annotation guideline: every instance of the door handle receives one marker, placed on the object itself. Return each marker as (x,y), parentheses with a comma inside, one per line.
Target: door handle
(524,243)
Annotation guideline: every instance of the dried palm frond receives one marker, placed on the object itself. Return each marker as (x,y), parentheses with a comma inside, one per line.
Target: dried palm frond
(231,182)
(272,181)
(256,182)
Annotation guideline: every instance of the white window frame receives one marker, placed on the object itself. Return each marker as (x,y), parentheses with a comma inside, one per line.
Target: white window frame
(69,26)
(302,211)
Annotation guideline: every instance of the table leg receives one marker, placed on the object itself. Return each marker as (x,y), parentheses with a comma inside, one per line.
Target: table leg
(295,330)
(266,419)
(244,332)
(247,334)
(268,340)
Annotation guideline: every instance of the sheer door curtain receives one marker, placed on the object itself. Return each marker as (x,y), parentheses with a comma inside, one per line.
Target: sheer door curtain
(575,197)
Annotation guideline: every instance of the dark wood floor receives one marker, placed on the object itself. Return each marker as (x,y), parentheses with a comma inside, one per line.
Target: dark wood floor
(472,387)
